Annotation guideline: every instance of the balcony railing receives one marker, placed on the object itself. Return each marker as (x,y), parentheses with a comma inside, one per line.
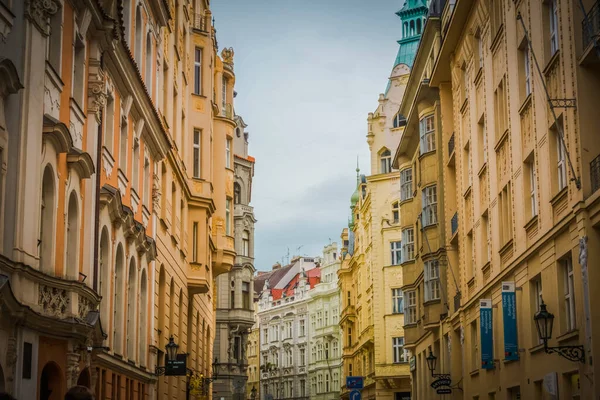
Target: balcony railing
(200,22)
(591,25)
(454,223)
(451,145)
(595,173)
(435,8)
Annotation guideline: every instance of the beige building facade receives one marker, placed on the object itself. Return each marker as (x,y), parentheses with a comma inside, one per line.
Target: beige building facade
(517,171)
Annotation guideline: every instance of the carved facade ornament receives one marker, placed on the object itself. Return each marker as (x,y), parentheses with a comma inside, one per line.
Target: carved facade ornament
(72,368)
(54,302)
(38,12)
(227,55)
(155,192)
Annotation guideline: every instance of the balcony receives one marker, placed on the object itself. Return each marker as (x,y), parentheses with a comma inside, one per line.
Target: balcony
(454,223)
(198,278)
(240,210)
(435,8)
(591,26)
(595,173)
(227,111)
(201,22)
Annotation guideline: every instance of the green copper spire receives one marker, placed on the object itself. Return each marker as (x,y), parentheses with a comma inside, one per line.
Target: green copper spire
(413,15)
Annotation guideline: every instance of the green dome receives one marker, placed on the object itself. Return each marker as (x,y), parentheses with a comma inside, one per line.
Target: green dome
(354,199)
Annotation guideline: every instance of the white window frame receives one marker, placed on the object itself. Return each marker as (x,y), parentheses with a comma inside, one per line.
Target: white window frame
(197,154)
(396,252)
(432,280)
(228,154)
(427,134)
(406,189)
(397,301)
(398,350)
(198,70)
(532,188)
(302,328)
(527,70)
(410,309)
(395,212)
(228,217)
(408,244)
(569,295)
(561,165)
(429,201)
(553,26)
(224,93)
(246,244)
(385,163)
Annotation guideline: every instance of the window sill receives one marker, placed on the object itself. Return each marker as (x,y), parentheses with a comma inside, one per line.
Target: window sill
(475,372)
(525,104)
(553,60)
(478,76)
(408,200)
(537,348)
(407,262)
(431,302)
(506,248)
(501,140)
(434,225)
(467,192)
(199,95)
(482,169)
(559,196)
(568,336)
(531,223)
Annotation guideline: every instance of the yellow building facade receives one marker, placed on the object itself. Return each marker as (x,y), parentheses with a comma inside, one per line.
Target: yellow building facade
(509,85)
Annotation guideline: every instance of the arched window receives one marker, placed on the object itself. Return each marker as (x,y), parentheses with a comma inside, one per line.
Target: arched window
(143,317)
(399,121)
(127,18)
(246,243)
(237,193)
(385,162)
(148,65)
(104,275)
(171,307)
(131,313)
(412,28)
(405,29)
(117,344)
(162,292)
(48,207)
(72,243)
(138,36)
(419,26)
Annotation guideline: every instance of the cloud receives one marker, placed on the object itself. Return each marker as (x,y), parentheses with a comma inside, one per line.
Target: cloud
(307,75)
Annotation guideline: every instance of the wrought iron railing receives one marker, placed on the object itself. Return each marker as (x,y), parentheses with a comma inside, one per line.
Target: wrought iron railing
(454,223)
(591,25)
(200,22)
(595,173)
(451,145)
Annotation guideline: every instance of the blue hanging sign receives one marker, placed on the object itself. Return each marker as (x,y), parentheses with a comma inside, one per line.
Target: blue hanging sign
(486,333)
(509,317)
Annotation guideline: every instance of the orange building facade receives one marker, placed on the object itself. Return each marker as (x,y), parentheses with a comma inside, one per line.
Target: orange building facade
(116,124)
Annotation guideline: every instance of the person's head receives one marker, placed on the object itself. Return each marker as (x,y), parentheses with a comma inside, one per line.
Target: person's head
(79,393)
(6,396)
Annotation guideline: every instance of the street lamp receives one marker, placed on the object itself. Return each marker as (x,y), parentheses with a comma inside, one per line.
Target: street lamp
(171,348)
(431,363)
(207,380)
(544,321)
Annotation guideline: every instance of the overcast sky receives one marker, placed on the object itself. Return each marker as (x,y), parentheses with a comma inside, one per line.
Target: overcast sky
(307,74)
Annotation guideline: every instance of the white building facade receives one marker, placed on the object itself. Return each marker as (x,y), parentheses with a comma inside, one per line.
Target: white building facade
(325,366)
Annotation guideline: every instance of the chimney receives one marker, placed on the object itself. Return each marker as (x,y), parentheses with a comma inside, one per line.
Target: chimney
(276,266)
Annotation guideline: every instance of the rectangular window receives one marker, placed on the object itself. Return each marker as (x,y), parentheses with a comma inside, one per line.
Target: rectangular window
(474,346)
(349,336)
(398,350)
(198,71)
(406,190)
(302,327)
(408,244)
(505,210)
(532,187)
(396,250)
(228,154)
(410,311)
(553,25)
(397,301)
(246,295)
(561,166)
(223,95)
(109,123)
(195,242)
(537,292)
(427,134)
(501,116)
(123,146)
(147,182)
(429,206)
(395,212)
(486,246)
(479,49)
(469,264)
(432,280)
(526,70)
(246,243)
(302,357)
(135,175)
(569,293)
(228,217)
(482,141)
(197,153)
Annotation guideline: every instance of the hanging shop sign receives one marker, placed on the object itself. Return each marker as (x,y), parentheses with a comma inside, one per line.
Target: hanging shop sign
(509,318)
(487,333)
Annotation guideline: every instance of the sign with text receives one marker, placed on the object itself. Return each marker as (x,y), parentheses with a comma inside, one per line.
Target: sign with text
(412,363)
(441,382)
(444,391)
(177,367)
(486,329)
(509,318)
(354,382)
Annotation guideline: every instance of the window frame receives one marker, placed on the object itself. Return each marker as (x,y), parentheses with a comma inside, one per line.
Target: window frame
(427,134)
(397,301)
(398,350)
(385,162)
(429,200)
(197,154)
(408,244)
(569,294)
(396,252)
(410,309)
(198,52)
(406,184)
(432,280)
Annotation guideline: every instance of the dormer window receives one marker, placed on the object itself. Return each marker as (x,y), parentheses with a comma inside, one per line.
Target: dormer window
(399,121)
(385,162)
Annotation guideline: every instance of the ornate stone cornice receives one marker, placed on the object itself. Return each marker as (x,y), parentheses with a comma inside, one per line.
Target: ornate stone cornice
(38,12)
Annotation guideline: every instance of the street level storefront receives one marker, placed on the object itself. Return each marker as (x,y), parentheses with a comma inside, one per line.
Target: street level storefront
(46,351)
